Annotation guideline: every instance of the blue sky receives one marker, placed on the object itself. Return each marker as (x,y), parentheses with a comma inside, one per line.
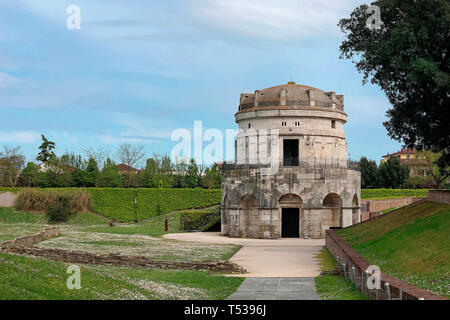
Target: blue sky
(137,70)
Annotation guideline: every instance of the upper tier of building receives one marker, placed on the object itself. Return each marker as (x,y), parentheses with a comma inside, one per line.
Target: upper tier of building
(290,96)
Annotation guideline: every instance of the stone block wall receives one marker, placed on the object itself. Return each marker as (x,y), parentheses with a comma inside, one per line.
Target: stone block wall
(47,233)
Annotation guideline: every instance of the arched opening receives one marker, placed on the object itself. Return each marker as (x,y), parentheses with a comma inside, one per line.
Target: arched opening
(332,211)
(355,209)
(248,221)
(290,206)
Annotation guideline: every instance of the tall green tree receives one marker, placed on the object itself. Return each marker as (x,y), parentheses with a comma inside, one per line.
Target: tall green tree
(192,174)
(46,153)
(91,173)
(29,177)
(109,176)
(369,173)
(408,57)
(392,174)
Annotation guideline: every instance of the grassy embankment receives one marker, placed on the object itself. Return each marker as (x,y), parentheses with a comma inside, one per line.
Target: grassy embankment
(330,287)
(411,244)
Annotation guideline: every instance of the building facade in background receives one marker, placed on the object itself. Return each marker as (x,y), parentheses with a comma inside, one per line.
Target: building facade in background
(291,176)
(417,164)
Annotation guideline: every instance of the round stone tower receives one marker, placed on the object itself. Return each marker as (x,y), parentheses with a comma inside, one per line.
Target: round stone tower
(291,176)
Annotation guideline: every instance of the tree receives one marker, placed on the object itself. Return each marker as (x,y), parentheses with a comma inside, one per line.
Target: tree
(192,175)
(100,155)
(29,177)
(11,162)
(46,153)
(369,173)
(91,173)
(439,176)
(212,178)
(131,155)
(408,57)
(392,173)
(109,176)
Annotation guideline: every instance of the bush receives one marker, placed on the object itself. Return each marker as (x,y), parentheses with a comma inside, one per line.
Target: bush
(199,219)
(392,193)
(40,200)
(59,209)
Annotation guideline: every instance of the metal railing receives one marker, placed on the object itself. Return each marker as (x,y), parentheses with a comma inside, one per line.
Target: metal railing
(307,163)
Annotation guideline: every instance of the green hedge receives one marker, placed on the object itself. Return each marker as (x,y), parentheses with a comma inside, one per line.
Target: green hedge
(199,219)
(118,203)
(392,193)
(9,189)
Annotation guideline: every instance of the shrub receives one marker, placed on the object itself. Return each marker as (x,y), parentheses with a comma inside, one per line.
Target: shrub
(59,209)
(199,219)
(39,200)
(392,193)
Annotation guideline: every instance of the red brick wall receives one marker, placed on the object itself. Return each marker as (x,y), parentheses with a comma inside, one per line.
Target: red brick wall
(442,196)
(374,205)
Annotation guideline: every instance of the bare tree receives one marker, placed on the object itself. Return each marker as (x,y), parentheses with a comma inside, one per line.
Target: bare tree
(11,162)
(131,155)
(99,155)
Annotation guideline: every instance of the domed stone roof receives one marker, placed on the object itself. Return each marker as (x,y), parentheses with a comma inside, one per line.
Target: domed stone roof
(291,94)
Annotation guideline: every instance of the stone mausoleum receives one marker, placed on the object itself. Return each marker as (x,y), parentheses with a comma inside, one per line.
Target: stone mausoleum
(291,176)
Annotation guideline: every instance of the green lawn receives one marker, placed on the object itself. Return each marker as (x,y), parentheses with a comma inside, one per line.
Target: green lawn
(411,244)
(333,287)
(34,278)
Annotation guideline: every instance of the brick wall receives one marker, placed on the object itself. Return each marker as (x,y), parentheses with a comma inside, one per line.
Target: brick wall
(375,205)
(7,199)
(442,196)
(354,266)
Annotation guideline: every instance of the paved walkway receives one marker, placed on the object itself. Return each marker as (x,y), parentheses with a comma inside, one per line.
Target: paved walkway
(276,289)
(287,258)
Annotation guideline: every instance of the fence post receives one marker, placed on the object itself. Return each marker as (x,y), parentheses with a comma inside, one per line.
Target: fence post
(362,281)
(354,277)
(400,293)
(345,270)
(388,290)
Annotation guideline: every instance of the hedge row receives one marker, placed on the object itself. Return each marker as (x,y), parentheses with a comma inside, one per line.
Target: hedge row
(118,204)
(392,193)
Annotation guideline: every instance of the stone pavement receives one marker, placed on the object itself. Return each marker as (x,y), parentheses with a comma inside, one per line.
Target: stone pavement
(276,289)
(286,257)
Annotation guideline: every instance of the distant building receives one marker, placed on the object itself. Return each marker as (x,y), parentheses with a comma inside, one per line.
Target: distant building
(126,169)
(417,165)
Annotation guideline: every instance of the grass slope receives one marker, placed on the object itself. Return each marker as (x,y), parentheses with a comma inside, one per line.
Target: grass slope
(34,278)
(333,287)
(411,244)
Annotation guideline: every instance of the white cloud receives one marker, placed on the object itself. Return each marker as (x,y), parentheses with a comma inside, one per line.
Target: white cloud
(283,19)
(19,137)
(7,80)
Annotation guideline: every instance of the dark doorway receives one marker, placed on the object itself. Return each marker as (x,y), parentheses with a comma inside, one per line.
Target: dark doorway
(290,152)
(290,223)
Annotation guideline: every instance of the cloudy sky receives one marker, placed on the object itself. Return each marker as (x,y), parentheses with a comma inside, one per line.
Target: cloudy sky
(137,70)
